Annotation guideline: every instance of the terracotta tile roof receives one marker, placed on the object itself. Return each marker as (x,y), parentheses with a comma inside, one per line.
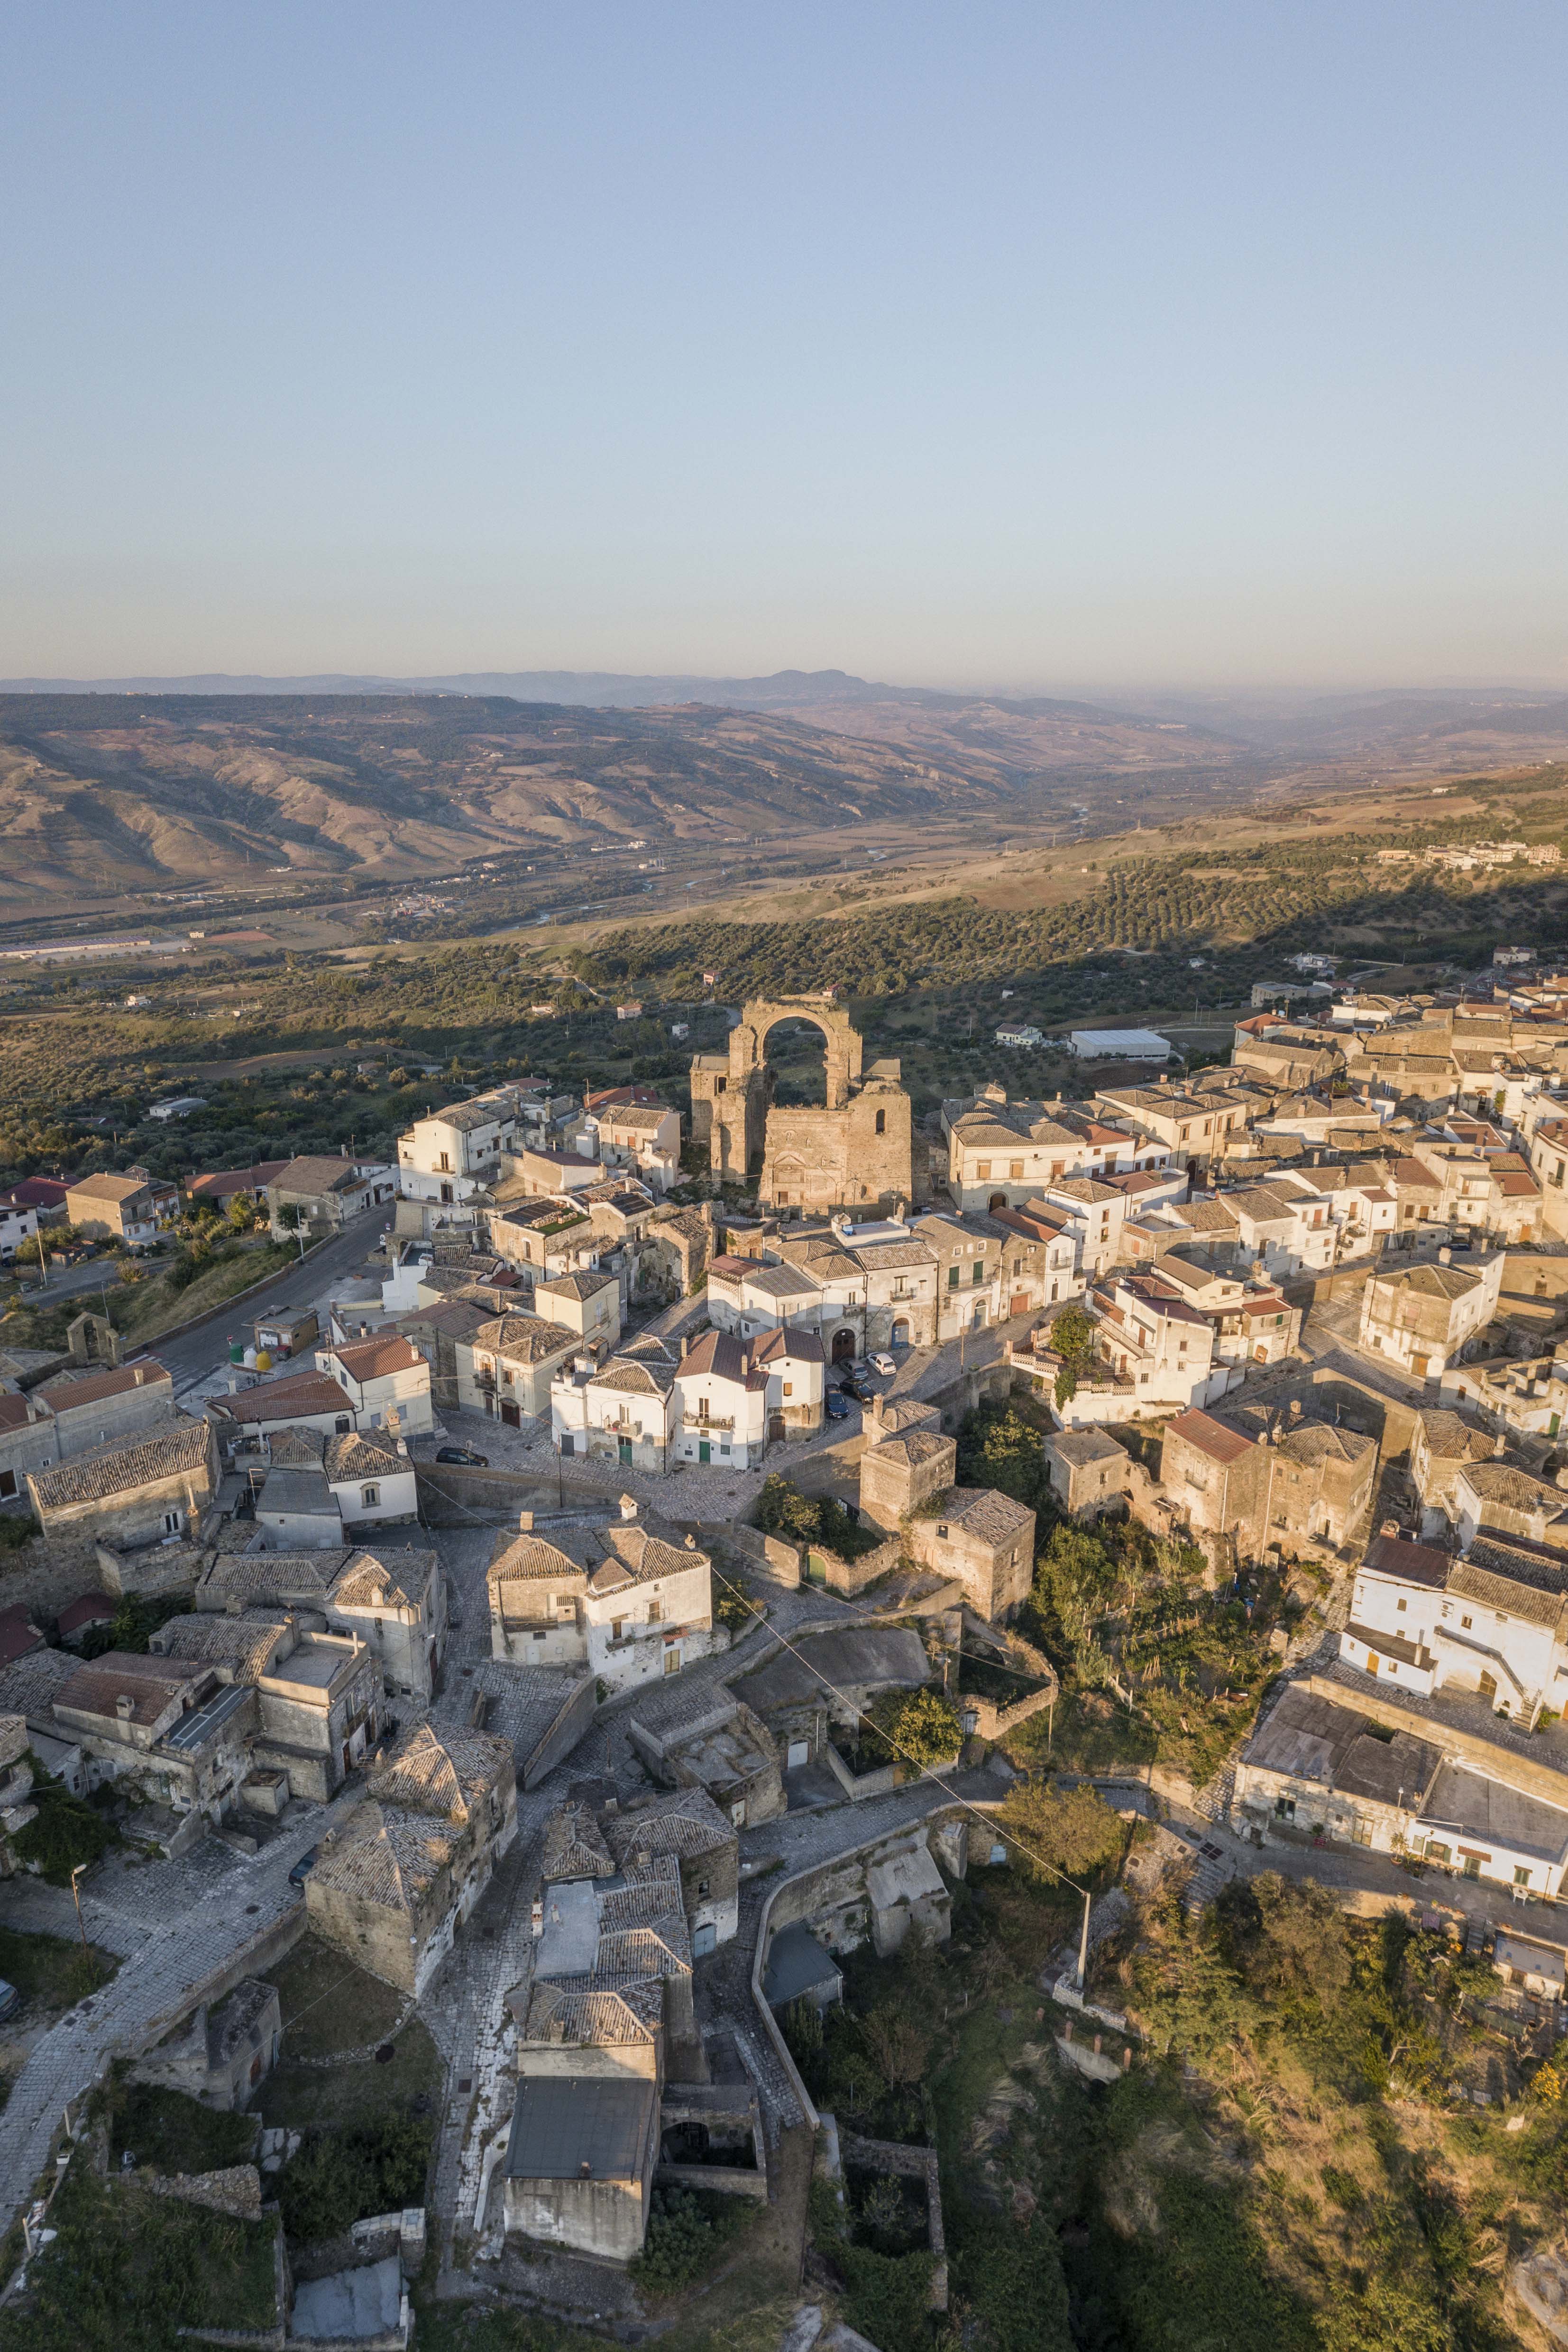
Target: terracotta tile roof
(787,1345)
(362,1453)
(223,1183)
(579,1286)
(281,1579)
(526,1558)
(296,1449)
(383,1857)
(454,1318)
(377,1359)
(723,1356)
(1210,1437)
(574,1847)
(247,1646)
(66,1392)
(151,1685)
(397,1579)
(591,2013)
(444,1772)
(313,1174)
(294,1396)
(1411,1563)
(639,1551)
(991,1516)
(17,1413)
(687,1824)
(17,1635)
(28,1684)
(90,1608)
(110,1470)
(109,1188)
(526,1338)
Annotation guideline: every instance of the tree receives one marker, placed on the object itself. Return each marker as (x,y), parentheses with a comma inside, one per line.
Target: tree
(920,1728)
(1286,1935)
(1049,1829)
(1186,1989)
(898,2045)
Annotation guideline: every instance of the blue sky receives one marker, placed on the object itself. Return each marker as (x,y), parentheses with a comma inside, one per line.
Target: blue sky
(1021,345)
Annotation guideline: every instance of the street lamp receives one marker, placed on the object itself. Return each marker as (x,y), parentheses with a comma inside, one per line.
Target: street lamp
(82,1923)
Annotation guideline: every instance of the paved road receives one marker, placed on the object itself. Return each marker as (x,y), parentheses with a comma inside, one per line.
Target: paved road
(189,1359)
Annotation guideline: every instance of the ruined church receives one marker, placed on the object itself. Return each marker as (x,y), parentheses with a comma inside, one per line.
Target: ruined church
(856,1153)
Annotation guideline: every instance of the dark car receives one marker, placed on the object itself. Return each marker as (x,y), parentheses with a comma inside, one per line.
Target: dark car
(837,1405)
(462,1453)
(1460,1242)
(10,1997)
(854,1386)
(303,1867)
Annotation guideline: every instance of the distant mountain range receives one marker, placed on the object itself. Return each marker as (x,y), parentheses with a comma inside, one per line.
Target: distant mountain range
(136,784)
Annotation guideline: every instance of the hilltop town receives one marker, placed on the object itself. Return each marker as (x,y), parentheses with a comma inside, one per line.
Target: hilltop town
(633,1578)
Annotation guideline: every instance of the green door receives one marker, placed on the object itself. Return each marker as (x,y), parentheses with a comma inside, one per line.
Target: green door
(624,1448)
(815,1569)
(1472,1865)
(704,1450)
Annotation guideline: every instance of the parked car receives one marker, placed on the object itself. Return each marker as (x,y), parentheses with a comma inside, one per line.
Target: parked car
(883,1364)
(855,1385)
(303,1867)
(10,1997)
(838,1405)
(462,1453)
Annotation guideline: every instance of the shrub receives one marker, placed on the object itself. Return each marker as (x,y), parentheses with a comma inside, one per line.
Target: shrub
(687,2230)
(66,1831)
(338,2177)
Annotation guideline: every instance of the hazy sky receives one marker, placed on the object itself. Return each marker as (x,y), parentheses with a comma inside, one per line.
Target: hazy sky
(1030,344)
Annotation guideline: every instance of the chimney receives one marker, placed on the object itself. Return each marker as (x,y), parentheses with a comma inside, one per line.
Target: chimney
(525,1523)
(628,1507)
(691,1542)
(1295,1408)
(125,1706)
(1390,1528)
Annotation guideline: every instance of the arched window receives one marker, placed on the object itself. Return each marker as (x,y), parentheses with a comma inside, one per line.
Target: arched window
(882,1122)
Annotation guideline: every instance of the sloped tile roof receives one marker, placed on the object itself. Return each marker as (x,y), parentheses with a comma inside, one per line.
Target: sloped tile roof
(574,1847)
(687,1823)
(66,1390)
(525,1557)
(244,1645)
(112,1470)
(373,1579)
(441,1772)
(384,1857)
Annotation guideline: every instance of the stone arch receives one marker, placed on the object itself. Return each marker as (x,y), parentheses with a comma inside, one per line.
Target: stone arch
(748,1042)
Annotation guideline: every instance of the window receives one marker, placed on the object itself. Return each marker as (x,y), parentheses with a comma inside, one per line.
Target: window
(171,1523)
(343,1425)
(789,1387)
(654,1613)
(882,1122)
(704,1884)
(983,1169)
(977,1271)
(1466,1623)
(673,1662)
(720,1085)
(1014,1171)
(616,1627)
(369,1498)
(952,1277)
(1520,1877)
(1399,1606)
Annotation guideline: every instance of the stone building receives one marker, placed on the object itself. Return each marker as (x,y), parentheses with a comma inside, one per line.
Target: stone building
(437,1331)
(395,1602)
(703,1737)
(1089,1473)
(320,1195)
(105,1408)
(1268,1474)
(385,1380)
(157,1485)
(907,1461)
(826,1682)
(1442,1444)
(856,1150)
(628,1602)
(982,1540)
(1422,1316)
(220,2053)
(391,1887)
(135,1208)
(703,1844)
(505,1366)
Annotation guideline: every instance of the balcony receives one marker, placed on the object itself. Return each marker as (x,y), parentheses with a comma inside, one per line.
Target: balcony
(702,1423)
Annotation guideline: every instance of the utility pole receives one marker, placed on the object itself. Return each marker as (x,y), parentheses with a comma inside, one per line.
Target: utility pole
(1083,1944)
